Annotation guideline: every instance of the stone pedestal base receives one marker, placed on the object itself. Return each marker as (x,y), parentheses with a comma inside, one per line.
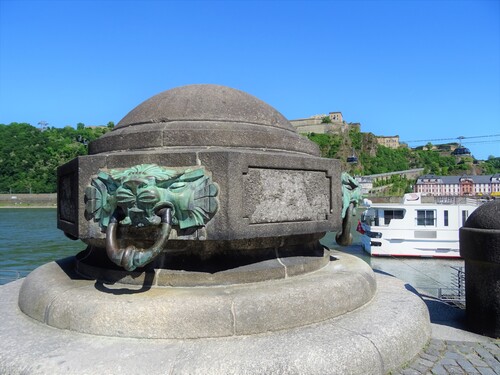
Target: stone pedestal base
(373,339)
(55,295)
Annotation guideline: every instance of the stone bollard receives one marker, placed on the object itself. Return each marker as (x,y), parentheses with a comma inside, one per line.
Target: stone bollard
(480,247)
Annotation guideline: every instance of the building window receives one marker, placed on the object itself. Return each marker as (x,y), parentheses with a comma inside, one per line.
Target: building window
(445,218)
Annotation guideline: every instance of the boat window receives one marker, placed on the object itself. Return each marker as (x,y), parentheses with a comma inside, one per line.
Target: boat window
(368,217)
(445,218)
(381,217)
(465,215)
(426,217)
(393,214)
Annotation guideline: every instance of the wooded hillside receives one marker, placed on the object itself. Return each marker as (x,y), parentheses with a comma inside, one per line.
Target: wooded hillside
(29,156)
(373,158)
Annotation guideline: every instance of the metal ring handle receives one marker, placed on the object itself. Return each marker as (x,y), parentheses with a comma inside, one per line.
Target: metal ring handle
(344,238)
(131,257)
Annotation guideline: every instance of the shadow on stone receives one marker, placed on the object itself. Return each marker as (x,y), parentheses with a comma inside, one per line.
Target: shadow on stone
(67,265)
(444,314)
(148,281)
(411,289)
(383,273)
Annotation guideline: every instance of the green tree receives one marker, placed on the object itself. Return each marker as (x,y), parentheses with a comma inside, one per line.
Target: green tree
(356,138)
(29,157)
(386,160)
(329,144)
(492,165)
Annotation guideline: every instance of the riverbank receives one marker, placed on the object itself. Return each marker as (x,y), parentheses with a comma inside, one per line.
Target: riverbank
(28,200)
(26,206)
(50,200)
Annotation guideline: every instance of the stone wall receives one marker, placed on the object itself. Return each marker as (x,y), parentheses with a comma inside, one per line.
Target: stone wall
(322,128)
(306,121)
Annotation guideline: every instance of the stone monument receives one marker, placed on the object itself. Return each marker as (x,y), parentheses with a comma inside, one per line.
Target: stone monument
(201,213)
(480,248)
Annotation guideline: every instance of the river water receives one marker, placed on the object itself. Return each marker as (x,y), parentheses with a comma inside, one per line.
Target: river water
(29,238)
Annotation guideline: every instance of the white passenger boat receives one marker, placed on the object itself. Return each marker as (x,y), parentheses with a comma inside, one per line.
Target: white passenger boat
(413,228)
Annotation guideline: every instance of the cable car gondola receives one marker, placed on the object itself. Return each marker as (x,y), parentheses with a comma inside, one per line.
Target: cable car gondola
(352,159)
(461,151)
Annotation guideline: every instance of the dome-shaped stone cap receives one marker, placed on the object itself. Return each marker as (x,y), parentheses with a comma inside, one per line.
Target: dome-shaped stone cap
(204,115)
(205,103)
(486,216)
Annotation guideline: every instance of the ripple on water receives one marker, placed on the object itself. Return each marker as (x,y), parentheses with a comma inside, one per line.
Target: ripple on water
(30,238)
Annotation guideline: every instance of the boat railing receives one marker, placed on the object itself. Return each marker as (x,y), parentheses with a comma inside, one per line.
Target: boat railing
(457,200)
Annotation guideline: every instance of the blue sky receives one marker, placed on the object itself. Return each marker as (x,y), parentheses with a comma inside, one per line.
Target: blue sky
(421,69)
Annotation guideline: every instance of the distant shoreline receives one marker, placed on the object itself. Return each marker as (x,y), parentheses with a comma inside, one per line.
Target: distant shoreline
(28,200)
(28,206)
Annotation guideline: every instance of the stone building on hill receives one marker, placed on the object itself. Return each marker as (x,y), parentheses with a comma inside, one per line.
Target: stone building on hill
(390,141)
(337,125)
(485,185)
(316,124)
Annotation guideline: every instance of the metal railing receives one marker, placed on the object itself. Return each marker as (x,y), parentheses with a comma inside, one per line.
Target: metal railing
(455,295)
(454,199)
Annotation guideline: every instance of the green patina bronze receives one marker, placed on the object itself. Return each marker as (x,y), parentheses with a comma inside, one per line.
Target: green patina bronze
(143,189)
(138,196)
(351,196)
(351,193)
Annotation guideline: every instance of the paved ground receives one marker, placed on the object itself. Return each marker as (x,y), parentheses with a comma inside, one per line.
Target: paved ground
(452,349)
(456,357)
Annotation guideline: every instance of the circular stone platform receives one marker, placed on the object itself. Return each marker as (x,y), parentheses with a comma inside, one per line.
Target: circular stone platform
(54,294)
(374,339)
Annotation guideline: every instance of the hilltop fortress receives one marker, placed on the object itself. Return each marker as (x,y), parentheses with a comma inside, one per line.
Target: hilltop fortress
(334,123)
(320,124)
